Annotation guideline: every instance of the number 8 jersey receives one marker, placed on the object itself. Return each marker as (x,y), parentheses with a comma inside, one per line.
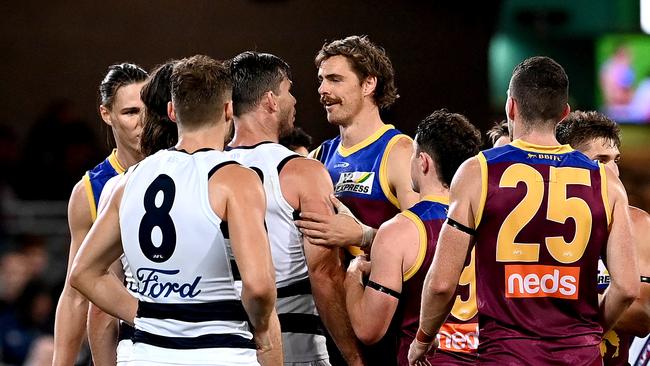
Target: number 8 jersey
(541,226)
(189,311)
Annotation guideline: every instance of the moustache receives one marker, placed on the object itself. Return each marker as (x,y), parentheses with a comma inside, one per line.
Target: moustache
(324,100)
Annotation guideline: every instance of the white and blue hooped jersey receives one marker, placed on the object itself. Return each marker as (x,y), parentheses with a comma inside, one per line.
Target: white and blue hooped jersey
(189,311)
(302,333)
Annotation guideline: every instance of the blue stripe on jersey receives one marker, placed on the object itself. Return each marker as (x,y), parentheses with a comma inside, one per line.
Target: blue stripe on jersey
(99,175)
(202,341)
(509,153)
(358,166)
(194,312)
(430,210)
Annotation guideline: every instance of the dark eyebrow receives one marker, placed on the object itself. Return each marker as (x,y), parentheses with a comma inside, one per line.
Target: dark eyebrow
(130,109)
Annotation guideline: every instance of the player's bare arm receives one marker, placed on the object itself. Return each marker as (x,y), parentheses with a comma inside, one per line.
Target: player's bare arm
(91,273)
(399,173)
(636,319)
(103,328)
(451,251)
(622,260)
(371,311)
(69,326)
(307,186)
(237,196)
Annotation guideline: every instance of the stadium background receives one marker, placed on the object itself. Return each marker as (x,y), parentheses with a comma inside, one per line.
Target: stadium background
(457,55)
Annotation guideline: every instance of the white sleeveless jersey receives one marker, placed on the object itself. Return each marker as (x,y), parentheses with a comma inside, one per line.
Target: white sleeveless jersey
(302,332)
(189,311)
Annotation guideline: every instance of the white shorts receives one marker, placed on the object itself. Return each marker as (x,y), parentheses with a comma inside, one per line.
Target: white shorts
(148,355)
(124,349)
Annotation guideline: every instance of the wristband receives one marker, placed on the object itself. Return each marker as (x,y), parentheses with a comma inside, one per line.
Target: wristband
(368,235)
(423,337)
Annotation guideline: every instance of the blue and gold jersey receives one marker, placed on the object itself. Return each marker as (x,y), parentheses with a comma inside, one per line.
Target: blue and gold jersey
(96,178)
(359,174)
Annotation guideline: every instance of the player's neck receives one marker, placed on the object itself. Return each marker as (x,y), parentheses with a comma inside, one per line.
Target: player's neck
(127,157)
(539,138)
(433,190)
(362,126)
(535,136)
(211,137)
(250,130)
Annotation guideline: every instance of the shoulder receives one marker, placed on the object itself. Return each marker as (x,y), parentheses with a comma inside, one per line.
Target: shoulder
(307,173)
(640,220)
(396,230)
(79,210)
(234,177)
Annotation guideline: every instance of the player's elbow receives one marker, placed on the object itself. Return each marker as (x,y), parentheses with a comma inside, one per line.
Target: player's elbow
(78,279)
(442,288)
(628,291)
(368,335)
(260,291)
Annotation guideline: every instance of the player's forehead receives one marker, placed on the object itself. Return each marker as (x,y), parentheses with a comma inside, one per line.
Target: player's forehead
(335,65)
(601,146)
(128,95)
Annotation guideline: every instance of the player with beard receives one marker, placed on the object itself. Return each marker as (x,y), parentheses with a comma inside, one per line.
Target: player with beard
(598,137)
(307,276)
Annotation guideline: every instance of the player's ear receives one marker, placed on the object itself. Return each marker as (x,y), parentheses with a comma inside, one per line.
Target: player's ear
(425,162)
(270,102)
(106,114)
(369,85)
(511,106)
(565,112)
(171,112)
(228,111)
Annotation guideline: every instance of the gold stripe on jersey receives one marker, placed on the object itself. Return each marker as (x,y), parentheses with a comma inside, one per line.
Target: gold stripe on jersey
(383,170)
(422,249)
(112,159)
(315,154)
(484,186)
(440,199)
(91,197)
(603,192)
(542,149)
(347,151)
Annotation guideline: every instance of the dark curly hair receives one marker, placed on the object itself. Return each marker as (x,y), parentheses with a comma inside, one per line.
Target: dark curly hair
(499,130)
(367,59)
(579,128)
(158,131)
(450,139)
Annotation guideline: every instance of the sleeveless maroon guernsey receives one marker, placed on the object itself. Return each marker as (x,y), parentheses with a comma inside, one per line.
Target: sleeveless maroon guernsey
(541,227)
(458,337)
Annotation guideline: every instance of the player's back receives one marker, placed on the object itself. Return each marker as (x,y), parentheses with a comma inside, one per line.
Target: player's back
(458,336)
(302,332)
(189,310)
(541,226)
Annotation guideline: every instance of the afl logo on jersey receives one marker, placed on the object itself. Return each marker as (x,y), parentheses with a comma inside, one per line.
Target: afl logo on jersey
(357,182)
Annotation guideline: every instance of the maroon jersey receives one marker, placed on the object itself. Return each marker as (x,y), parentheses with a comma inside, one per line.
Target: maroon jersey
(458,337)
(541,227)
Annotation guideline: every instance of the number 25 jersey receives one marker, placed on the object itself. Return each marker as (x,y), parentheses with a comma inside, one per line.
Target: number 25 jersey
(541,226)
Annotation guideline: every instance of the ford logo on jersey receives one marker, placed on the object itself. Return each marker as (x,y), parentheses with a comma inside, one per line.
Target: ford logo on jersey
(150,284)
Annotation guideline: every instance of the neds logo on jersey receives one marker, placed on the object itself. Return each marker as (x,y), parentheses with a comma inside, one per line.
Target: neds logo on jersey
(358,182)
(524,281)
(462,337)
